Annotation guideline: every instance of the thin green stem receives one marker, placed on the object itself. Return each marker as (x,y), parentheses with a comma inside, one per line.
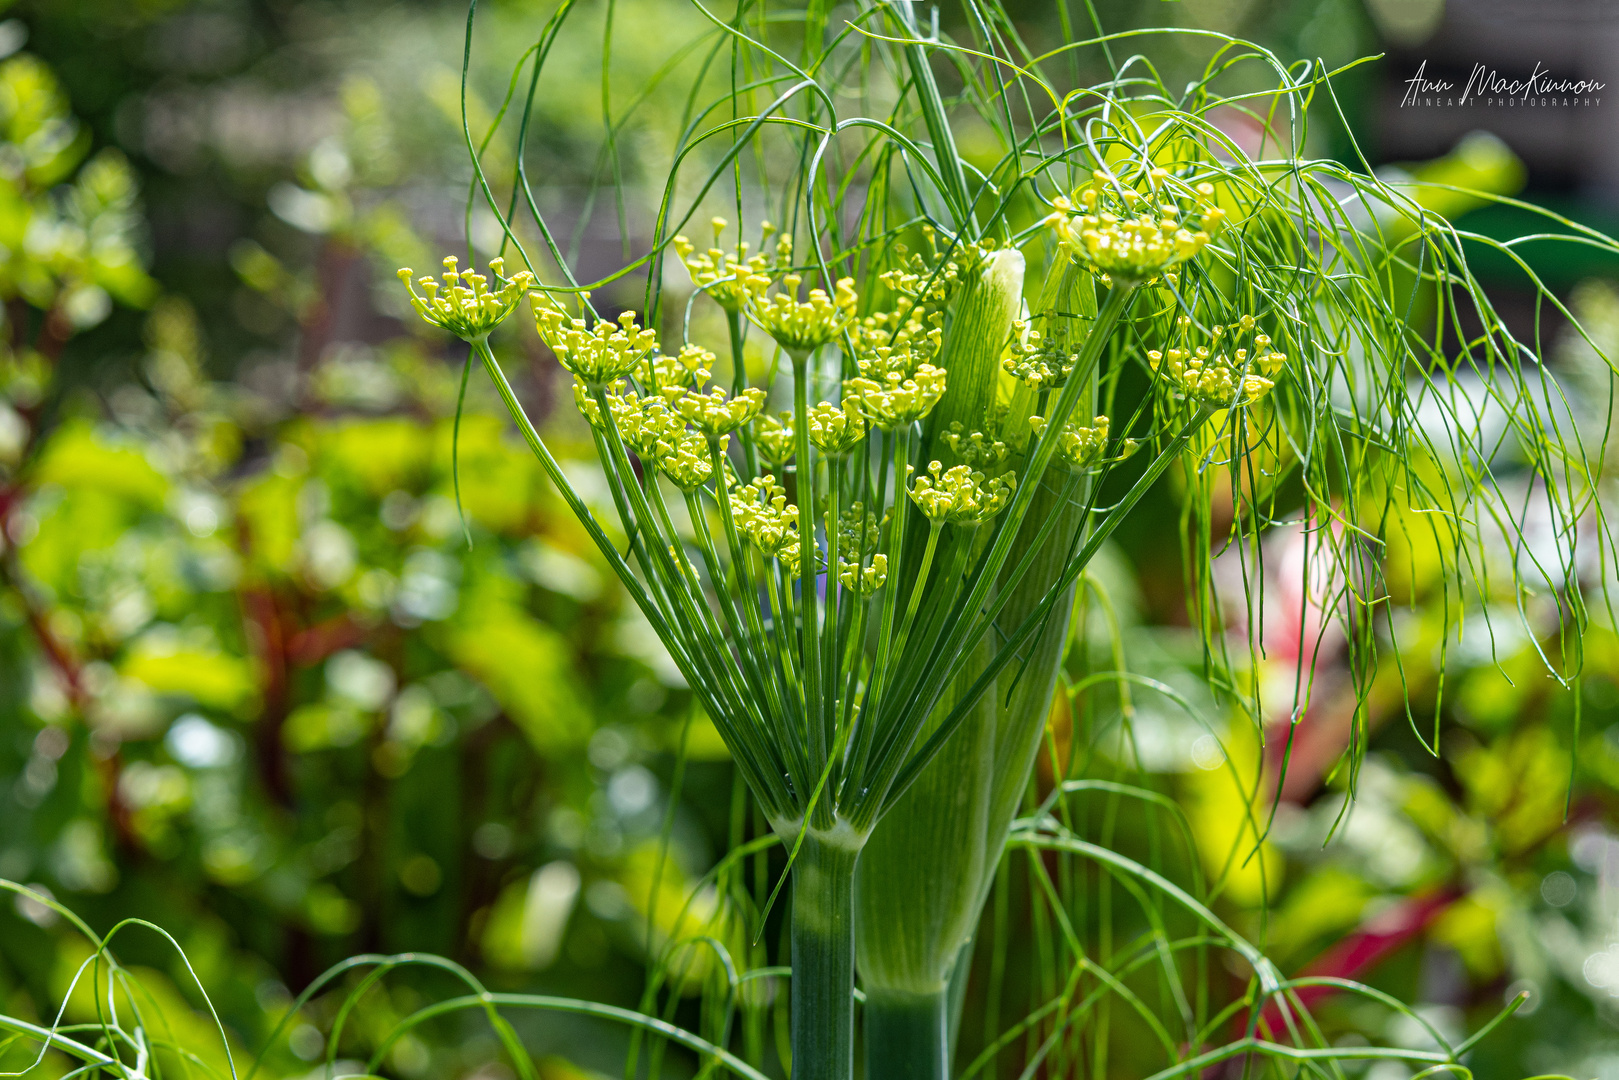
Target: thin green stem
(829,633)
(808,626)
(918,587)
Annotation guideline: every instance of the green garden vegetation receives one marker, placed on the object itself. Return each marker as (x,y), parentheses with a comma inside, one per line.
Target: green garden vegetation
(927,322)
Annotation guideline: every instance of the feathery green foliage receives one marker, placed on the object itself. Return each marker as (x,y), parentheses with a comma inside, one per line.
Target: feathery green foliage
(1289,315)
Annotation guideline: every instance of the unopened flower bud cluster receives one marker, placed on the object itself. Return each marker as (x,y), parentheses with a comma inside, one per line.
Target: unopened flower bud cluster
(861,568)
(1222,372)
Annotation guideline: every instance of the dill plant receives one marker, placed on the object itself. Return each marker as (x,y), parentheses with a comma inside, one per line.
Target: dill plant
(869,589)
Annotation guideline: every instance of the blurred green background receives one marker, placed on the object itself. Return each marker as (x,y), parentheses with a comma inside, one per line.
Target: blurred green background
(256,686)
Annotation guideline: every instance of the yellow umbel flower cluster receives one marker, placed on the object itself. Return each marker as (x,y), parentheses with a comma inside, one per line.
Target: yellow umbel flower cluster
(768,520)
(896,401)
(656,432)
(682,456)
(887,343)
(726,275)
(1081,449)
(798,326)
(1133,235)
(599,354)
(926,284)
(1221,374)
(713,413)
(692,366)
(626,411)
(463,304)
(834,430)
(776,438)
(960,495)
(864,580)
(858,533)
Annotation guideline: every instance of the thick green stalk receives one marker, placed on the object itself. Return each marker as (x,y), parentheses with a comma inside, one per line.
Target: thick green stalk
(829,632)
(917,888)
(917,891)
(1022,718)
(907,1035)
(959,637)
(823,956)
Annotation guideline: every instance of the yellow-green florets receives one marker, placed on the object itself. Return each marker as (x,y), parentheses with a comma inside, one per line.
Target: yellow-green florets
(767,519)
(683,457)
(960,495)
(1082,448)
(692,366)
(895,401)
(1036,361)
(836,430)
(1138,231)
(726,275)
(975,449)
(1220,374)
(463,303)
(598,354)
(776,438)
(713,413)
(858,533)
(798,326)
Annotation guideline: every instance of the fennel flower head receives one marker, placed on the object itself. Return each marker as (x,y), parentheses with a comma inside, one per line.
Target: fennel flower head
(1036,361)
(713,413)
(802,326)
(768,520)
(861,567)
(1080,448)
(1135,235)
(655,431)
(726,275)
(599,354)
(960,495)
(463,303)
(897,401)
(1220,372)
(777,438)
(836,430)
